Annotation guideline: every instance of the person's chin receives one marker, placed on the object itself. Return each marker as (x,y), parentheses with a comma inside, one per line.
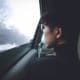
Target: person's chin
(50,45)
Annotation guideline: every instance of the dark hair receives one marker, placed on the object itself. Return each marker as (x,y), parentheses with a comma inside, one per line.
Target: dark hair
(51,20)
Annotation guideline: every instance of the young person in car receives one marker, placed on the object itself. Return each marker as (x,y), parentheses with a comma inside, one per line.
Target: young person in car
(52,67)
(56,36)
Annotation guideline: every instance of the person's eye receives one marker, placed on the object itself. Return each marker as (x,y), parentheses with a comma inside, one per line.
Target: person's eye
(42,27)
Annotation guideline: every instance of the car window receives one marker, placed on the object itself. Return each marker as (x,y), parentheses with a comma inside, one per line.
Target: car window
(18,22)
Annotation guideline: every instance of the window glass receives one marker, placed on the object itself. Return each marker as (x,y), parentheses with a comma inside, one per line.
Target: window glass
(18,22)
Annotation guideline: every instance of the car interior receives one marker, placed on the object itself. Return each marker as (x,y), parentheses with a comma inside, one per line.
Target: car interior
(14,62)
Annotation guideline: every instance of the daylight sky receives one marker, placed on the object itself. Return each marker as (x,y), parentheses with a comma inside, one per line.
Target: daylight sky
(18,21)
(24,15)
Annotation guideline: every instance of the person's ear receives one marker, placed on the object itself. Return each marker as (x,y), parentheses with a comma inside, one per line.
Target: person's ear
(58,33)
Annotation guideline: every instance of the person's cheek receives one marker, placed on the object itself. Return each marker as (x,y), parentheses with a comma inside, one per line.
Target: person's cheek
(48,38)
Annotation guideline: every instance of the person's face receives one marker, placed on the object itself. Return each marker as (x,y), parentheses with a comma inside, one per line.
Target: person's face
(50,35)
